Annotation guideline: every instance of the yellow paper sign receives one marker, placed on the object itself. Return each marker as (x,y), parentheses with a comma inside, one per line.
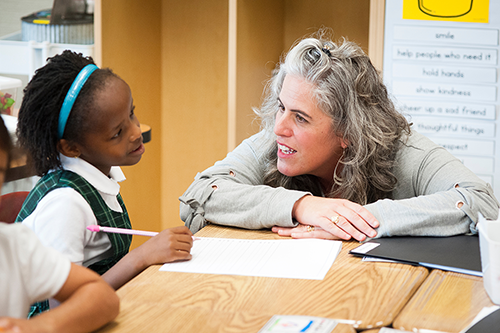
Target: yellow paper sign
(476,11)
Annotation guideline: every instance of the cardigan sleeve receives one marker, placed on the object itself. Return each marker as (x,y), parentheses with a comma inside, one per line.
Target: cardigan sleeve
(436,195)
(232,192)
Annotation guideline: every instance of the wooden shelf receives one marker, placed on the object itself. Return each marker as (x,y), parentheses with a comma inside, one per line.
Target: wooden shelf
(196,69)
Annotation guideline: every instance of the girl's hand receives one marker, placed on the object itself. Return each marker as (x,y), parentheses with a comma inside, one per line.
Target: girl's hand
(16,325)
(330,219)
(170,245)
(11,325)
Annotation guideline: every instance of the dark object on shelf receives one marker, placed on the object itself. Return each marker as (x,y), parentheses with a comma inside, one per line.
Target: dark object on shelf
(68,22)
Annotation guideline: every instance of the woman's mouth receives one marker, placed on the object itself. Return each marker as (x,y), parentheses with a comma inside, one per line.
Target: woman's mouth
(286,150)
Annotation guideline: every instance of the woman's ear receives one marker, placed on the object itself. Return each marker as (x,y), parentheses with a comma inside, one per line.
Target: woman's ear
(344,143)
(68,148)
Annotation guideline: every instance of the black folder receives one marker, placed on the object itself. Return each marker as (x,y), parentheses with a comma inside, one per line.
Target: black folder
(456,253)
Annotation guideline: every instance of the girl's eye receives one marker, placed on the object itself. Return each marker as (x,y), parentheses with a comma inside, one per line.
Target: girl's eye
(117,134)
(281,107)
(132,112)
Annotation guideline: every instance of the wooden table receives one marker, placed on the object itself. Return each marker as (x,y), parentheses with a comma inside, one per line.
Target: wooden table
(372,294)
(446,302)
(19,168)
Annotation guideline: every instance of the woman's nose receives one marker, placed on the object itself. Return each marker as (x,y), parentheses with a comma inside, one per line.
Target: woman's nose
(282,124)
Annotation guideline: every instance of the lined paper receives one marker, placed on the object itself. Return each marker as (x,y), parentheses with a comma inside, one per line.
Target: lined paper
(293,258)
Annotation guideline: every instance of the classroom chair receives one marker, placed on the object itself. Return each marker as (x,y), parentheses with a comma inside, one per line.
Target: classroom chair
(11,204)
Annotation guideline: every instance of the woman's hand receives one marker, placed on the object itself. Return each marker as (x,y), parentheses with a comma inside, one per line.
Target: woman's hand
(330,219)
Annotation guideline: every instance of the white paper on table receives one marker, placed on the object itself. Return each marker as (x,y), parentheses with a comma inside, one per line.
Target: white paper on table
(421,330)
(296,324)
(294,258)
(373,259)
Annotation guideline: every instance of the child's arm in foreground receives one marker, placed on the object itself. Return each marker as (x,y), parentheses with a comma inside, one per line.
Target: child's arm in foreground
(169,245)
(88,303)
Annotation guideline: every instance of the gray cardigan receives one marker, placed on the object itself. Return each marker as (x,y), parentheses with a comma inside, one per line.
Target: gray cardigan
(430,184)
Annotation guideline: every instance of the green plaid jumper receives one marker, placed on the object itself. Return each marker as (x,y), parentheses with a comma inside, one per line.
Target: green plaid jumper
(104,215)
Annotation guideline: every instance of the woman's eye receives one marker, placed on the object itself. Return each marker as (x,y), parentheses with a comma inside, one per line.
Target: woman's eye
(300,119)
(281,107)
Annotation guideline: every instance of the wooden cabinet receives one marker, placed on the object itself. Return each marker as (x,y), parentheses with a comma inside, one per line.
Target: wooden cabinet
(196,68)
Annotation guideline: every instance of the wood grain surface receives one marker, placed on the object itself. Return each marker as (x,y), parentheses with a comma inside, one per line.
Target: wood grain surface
(446,302)
(152,318)
(371,294)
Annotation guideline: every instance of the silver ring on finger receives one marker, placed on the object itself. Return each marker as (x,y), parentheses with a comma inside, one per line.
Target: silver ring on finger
(310,228)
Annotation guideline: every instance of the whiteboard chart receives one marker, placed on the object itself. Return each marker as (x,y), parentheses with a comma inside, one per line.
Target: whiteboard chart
(441,68)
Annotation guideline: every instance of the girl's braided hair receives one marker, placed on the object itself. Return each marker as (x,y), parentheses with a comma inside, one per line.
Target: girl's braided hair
(42,101)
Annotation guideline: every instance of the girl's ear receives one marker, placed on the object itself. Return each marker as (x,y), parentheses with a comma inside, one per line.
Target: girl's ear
(68,148)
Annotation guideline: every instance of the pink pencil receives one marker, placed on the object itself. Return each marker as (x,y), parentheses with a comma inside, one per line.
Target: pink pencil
(97,228)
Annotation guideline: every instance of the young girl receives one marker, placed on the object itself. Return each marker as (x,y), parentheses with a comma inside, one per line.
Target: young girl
(30,271)
(78,124)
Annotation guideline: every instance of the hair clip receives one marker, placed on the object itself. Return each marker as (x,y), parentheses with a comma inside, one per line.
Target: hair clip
(326,48)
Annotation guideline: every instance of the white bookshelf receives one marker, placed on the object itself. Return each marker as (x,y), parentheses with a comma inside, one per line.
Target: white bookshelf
(19,57)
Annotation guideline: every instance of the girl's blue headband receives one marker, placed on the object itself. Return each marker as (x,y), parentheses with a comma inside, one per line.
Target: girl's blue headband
(71,96)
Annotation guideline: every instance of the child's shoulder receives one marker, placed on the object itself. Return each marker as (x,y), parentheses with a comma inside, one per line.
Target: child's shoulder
(15,234)
(59,179)
(57,192)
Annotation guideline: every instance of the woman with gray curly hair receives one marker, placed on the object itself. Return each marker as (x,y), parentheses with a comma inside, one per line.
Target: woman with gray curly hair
(336,160)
